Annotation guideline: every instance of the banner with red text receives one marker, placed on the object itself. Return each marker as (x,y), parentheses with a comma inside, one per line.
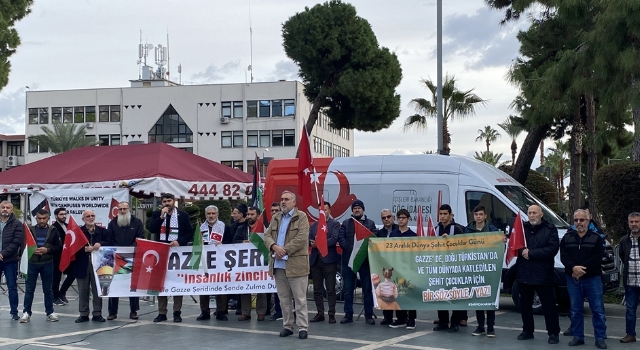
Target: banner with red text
(225,269)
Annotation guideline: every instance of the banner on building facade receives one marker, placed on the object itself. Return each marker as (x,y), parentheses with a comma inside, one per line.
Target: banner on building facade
(458,272)
(223,269)
(103,201)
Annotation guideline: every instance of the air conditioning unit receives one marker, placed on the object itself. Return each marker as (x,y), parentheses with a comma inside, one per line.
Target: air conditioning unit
(13,161)
(225,120)
(89,125)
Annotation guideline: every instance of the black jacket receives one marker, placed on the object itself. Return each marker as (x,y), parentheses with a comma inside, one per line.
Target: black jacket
(124,236)
(185,230)
(384,233)
(624,251)
(12,240)
(52,242)
(62,233)
(452,227)
(543,244)
(347,233)
(407,233)
(333,231)
(83,258)
(240,231)
(586,251)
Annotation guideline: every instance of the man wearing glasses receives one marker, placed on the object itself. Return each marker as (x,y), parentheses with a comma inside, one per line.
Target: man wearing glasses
(122,232)
(388,226)
(581,252)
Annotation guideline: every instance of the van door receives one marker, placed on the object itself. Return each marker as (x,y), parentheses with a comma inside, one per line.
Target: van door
(499,214)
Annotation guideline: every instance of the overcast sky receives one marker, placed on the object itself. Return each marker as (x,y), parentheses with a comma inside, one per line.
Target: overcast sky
(93,44)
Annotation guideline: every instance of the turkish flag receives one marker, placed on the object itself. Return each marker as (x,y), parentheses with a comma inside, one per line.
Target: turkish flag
(74,240)
(305,170)
(321,232)
(516,239)
(431,230)
(113,210)
(150,261)
(420,228)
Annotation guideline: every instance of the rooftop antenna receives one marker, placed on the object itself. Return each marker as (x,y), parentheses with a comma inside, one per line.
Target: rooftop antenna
(161,54)
(180,72)
(168,65)
(140,54)
(250,43)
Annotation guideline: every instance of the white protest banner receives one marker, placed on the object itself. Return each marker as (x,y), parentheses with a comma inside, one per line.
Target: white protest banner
(103,201)
(225,269)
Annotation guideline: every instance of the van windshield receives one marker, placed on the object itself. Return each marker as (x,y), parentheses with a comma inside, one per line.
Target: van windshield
(521,197)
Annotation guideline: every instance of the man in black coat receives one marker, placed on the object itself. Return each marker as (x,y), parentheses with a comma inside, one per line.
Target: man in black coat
(240,231)
(346,240)
(122,232)
(171,226)
(324,268)
(629,253)
(535,274)
(97,236)
(11,240)
(60,291)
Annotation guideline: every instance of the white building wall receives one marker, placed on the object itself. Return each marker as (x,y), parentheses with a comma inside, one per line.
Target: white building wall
(200,106)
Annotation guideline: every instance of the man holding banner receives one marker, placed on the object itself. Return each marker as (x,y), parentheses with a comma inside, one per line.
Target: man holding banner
(388,226)
(122,232)
(404,318)
(171,226)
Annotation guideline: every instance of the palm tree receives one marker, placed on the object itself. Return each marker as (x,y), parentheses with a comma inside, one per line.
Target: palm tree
(513,131)
(489,157)
(488,135)
(63,137)
(558,162)
(455,104)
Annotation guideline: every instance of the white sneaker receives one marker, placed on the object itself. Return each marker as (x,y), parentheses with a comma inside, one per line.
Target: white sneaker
(52,317)
(25,318)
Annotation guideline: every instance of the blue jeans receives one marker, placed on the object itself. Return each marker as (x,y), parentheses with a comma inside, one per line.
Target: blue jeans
(350,285)
(631,296)
(590,288)
(46,274)
(10,271)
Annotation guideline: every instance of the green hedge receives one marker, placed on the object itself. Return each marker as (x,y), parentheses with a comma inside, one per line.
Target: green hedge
(616,191)
(540,186)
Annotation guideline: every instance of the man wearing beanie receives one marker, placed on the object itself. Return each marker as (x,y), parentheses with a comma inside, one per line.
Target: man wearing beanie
(240,231)
(346,237)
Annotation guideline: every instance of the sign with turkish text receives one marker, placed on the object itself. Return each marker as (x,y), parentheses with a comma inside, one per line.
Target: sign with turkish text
(459,272)
(224,269)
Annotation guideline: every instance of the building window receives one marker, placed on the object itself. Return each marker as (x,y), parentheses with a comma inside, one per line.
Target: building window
(15,148)
(56,114)
(290,137)
(103,117)
(90,114)
(226,109)
(226,136)
(250,165)
(237,109)
(78,114)
(236,164)
(115,140)
(170,128)
(33,116)
(265,138)
(0,148)
(107,114)
(252,138)
(38,115)
(114,114)
(237,139)
(67,115)
(276,108)
(104,140)
(316,142)
(33,146)
(227,163)
(265,109)
(289,108)
(276,138)
(252,109)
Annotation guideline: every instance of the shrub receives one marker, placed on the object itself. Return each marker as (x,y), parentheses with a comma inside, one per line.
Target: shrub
(616,189)
(540,186)
(224,210)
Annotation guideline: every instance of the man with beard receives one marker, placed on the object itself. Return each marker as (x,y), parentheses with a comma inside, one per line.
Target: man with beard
(171,226)
(214,232)
(346,240)
(11,239)
(122,232)
(630,256)
(96,236)
(59,292)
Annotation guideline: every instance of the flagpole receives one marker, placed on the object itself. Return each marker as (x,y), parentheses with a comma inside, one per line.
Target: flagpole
(315,177)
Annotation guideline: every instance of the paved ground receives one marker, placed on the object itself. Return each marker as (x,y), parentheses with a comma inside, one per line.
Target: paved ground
(212,334)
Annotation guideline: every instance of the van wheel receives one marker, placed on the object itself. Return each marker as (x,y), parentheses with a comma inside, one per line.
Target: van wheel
(515,296)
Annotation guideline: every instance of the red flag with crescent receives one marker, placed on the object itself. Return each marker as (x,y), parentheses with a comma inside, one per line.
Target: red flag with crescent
(150,261)
(74,240)
(113,210)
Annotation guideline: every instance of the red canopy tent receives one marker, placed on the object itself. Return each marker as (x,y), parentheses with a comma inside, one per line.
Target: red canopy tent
(146,169)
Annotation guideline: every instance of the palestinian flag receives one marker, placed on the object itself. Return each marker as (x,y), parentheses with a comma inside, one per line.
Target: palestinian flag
(256,236)
(29,249)
(360,245)
(256,193)
(196,249)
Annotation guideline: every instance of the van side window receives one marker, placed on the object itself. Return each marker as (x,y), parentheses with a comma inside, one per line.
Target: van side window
(498,214)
